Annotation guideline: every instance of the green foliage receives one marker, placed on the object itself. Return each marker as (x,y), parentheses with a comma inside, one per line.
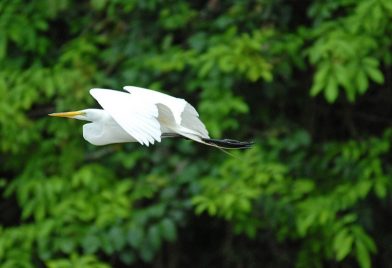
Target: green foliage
(258,194)
(237,185)
(77,261)
(312,192)
(347,51)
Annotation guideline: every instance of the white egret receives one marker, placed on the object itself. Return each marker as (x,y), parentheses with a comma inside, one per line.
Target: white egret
(144,116)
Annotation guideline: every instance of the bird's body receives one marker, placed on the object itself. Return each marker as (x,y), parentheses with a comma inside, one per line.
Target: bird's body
(105,131)
(143,116)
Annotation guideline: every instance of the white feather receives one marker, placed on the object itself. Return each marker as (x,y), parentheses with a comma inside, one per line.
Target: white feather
(138,118)
(184,114)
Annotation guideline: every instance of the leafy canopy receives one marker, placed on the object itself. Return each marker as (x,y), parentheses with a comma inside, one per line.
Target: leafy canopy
(310,83)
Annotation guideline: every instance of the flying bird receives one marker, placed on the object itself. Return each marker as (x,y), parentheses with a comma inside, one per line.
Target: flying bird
(144,116)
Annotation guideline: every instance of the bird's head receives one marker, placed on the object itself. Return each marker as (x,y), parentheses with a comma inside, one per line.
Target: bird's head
(91,115)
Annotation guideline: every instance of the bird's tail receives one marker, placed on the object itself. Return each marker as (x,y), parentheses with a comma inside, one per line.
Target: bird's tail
(228,143)
(221,144)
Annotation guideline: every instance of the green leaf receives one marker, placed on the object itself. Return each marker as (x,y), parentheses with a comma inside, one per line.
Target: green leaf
(342,244)
(321,77)
(146,252)
(368,242)
(362,254)
(343,76)
(331,90)
(98,4)
(361,81)
(375,74)
(168,229)
(117,237)
(135,236)
(380,187)
(91,244)
(154,237)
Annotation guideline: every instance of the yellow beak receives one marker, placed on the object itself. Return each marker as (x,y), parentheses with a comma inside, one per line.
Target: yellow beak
(67,114)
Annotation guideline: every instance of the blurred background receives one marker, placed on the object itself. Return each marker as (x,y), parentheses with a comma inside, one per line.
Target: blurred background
(309,81)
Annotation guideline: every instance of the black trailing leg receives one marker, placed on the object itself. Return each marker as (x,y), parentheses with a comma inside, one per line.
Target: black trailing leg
(229,144)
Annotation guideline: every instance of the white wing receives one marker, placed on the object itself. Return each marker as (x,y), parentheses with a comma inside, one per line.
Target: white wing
(184,114)
(190,120)
(176,105)
(137,118)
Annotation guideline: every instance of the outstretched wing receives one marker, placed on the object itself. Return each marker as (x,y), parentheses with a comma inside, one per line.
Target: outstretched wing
(176,105)
(137,118)
(190,119)
(184,114)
